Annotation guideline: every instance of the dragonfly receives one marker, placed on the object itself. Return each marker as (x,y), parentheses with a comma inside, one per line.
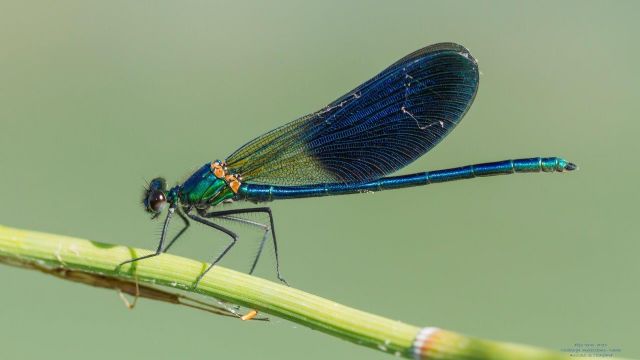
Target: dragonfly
(347,147)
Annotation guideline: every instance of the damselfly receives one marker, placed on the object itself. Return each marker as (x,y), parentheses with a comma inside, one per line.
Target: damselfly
(345,148)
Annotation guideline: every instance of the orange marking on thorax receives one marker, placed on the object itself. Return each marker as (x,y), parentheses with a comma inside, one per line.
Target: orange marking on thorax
(218,170)
(233,182)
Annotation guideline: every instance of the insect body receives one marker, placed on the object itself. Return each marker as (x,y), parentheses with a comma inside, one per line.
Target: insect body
(348,147)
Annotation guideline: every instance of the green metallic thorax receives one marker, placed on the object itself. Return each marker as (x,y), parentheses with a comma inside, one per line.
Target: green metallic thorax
(204,189)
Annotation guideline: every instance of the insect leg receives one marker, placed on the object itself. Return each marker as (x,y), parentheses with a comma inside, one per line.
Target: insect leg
(264,227)
(233,236)
(172,209)
(186,226)
(266,210)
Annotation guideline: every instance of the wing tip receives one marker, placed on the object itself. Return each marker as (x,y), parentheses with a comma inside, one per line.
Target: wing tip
(457,48)
(443,47)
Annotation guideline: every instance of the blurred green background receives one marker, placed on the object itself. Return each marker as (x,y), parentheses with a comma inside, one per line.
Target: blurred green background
(96,96)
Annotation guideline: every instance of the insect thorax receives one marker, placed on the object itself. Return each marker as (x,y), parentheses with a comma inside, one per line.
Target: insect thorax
(209,186)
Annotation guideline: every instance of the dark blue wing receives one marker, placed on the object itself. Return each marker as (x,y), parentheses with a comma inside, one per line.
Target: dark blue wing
(374,130)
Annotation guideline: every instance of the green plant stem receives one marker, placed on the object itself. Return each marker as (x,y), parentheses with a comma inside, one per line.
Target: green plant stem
(395,337)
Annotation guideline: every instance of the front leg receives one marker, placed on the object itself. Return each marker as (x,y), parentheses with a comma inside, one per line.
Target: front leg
(186,226)
(165,227)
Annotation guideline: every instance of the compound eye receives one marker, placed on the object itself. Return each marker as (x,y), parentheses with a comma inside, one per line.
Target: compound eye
(157,200)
